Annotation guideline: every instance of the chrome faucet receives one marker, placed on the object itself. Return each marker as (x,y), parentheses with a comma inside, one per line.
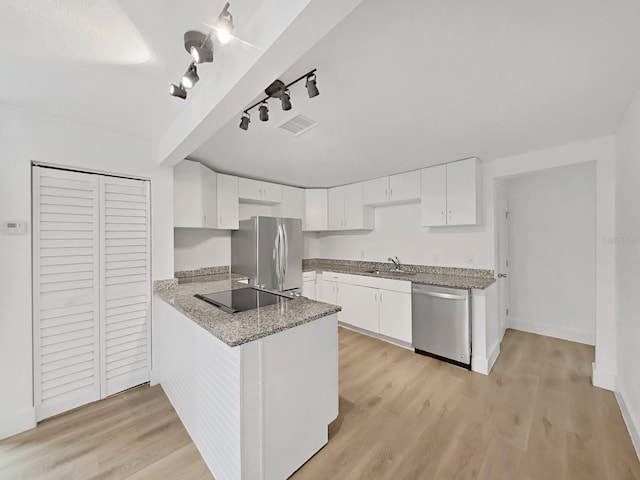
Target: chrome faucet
(396,263)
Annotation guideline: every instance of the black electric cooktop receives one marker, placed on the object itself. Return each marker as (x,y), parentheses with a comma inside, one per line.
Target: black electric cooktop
(241,299)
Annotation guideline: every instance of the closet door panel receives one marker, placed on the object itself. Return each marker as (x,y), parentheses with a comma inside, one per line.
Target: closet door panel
(125,279)
(66,308)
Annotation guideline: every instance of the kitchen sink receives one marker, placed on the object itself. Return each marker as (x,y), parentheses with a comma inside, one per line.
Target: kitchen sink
(390,272)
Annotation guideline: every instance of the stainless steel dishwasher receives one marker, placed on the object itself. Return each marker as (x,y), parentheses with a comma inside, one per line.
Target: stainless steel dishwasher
(442,323)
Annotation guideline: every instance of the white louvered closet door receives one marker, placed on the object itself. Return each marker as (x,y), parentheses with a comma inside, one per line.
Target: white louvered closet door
(126,273)
(66,283)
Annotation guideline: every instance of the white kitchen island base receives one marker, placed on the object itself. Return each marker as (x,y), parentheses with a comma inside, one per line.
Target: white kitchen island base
(256,411)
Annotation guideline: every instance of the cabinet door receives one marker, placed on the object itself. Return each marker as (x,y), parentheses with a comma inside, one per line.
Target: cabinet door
(404,187)
(336,208)
(356,215)
(249,189)
(309,289)
(209,197)
(228,208)
(462,191)
(376,191)
(292,205)
(271,193)
(187,195)
(395,314)
(315,207)
(434,196)
(329,292)
(359,306)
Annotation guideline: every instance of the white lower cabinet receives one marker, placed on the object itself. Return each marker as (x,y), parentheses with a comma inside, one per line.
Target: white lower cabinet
(309,285)
(377,305)
(395,314)
(359,306)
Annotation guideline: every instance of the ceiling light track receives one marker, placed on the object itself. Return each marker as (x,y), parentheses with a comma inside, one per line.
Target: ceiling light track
(200,47)
(279,90)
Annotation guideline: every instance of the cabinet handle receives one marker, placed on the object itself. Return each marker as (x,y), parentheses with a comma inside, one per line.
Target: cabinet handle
(386,194)
(381,296)
(204,219)
(391,193)
(442,215)
(449,215)
(220,219)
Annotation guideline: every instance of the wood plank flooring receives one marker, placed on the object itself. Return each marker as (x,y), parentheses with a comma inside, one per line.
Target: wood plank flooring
(402,416)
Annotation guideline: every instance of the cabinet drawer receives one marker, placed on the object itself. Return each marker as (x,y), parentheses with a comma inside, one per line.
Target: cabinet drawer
(308,276)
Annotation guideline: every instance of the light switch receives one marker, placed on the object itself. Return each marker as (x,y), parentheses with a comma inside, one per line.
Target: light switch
(14,227)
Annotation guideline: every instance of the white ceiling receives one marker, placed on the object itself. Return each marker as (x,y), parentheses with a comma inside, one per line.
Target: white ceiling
(410,84)
(107,63)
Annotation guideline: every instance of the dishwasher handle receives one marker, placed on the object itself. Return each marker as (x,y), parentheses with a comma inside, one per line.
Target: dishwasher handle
(447,296)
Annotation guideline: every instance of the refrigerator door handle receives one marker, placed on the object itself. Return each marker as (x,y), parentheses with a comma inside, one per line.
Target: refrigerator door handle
(285,259)
(276,254)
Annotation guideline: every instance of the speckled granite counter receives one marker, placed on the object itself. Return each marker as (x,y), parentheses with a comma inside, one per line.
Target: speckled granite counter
(421,274)
(243,327)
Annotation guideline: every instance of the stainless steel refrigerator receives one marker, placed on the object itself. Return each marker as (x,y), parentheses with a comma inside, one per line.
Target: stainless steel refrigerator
(268,250)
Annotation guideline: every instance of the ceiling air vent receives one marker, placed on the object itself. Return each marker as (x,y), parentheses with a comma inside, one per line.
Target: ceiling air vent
(298,125)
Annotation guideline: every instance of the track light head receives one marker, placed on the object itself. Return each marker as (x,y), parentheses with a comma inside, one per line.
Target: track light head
(224,25)
(264,112)
(199,46)
(177,91)
(312,89)
(286,100)
(190,77)
(244,121)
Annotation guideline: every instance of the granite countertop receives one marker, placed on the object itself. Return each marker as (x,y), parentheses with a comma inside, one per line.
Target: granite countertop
(243,327)
(443,277)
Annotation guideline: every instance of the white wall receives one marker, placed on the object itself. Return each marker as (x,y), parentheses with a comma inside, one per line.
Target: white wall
(198,248)
(27,136)
(552,252)
(398,232)
(627,243)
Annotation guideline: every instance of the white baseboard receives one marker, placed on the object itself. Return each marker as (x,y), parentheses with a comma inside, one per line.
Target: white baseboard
(553,331)
(602,379)
(17,422)
(379,336)
(484,365)
(630,419)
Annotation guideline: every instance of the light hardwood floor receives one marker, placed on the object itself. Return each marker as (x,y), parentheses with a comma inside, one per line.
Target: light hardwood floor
(402,416)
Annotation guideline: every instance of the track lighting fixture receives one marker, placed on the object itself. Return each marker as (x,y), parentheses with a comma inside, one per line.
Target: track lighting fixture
(285,98)
(190,77)
(177,91)
(203,52)
(312,89)
(244,121)
(264,112)
(200,47)
(277,89)
(224,25)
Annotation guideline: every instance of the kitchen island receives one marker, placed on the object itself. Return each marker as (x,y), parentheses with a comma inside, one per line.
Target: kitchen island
(256,390)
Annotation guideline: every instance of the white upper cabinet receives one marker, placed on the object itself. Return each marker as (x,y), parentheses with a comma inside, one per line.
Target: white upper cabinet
(202,198)
(401,188)
(452,194)
(256,191)
(347,210)
(376,191)
(228,207)
(315,210)
(404,187)
(292,205)
(434,196)
(464,190)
